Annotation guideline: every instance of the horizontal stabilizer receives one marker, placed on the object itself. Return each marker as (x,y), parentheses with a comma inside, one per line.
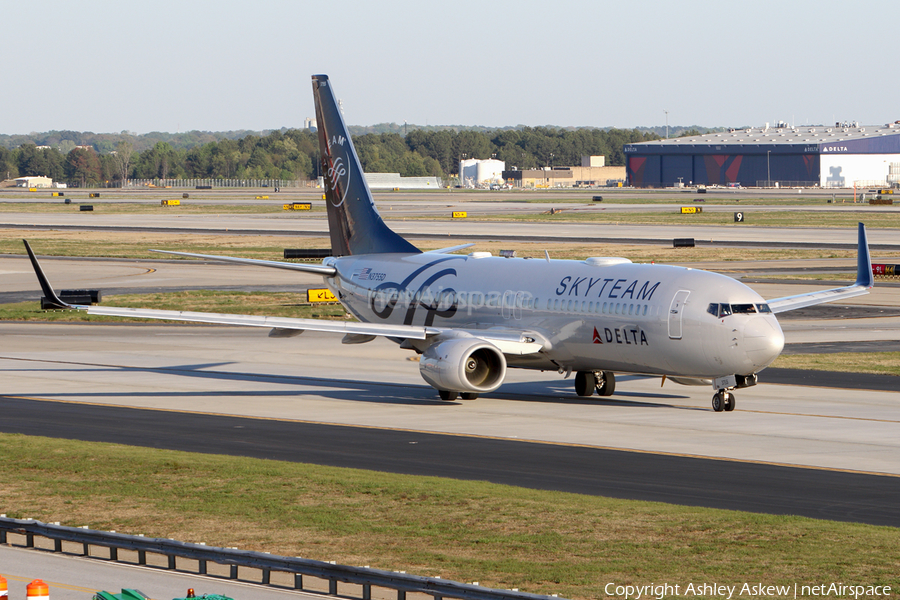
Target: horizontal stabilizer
(317,269)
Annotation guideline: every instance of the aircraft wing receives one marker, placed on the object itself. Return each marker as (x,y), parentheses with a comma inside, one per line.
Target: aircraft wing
(509,341)
(865,280)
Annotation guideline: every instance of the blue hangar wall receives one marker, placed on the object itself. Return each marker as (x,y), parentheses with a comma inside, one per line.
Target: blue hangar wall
(661,166)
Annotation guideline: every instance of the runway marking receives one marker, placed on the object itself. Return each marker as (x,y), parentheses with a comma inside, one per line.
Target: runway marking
(472,436)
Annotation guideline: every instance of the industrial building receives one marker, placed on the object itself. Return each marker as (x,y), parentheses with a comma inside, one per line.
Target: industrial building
(34,182)
(474,172)
(565,177)
(593,172)
(840,156)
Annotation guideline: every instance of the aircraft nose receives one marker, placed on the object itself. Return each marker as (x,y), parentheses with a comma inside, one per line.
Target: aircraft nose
(763,341)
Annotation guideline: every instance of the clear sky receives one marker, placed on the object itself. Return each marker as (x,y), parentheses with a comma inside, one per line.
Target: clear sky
(178,65)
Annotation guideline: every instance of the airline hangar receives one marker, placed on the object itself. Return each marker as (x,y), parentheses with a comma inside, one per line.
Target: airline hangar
(841,156)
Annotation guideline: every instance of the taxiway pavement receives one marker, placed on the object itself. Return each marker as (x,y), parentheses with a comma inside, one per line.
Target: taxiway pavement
(313,379)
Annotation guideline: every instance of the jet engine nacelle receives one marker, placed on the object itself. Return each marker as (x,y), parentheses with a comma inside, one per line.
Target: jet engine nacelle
(463,365)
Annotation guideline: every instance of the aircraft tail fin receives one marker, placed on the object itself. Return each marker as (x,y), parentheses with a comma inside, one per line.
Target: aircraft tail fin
(354,223)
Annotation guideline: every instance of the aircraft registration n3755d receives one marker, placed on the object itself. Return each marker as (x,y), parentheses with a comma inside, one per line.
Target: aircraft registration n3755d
(471,317)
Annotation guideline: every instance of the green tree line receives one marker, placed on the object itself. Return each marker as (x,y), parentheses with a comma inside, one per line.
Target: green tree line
(293,154)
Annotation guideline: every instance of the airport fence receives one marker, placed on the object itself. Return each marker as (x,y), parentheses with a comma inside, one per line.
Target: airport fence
(302,574)
(219,183)
(763,183)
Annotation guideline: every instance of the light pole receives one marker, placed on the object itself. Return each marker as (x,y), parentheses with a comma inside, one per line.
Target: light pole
(768,170)
(667,123)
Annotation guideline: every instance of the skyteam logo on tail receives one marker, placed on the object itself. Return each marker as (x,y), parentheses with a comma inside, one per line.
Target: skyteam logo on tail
(337,174)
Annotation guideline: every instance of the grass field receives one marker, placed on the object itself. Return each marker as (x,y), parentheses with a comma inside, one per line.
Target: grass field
(781,218)
(500,536)
(882,363)
(276,304)
(112,244)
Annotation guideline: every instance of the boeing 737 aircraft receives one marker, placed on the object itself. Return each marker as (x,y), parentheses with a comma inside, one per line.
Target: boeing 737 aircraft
(473,316)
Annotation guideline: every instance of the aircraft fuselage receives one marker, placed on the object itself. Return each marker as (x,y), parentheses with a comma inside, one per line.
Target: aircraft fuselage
(626,317)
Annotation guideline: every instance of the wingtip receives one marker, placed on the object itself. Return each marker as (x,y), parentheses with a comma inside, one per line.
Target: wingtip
(46,288)
(864,275)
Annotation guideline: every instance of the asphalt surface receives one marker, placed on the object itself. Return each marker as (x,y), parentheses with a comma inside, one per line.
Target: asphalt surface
(755,487)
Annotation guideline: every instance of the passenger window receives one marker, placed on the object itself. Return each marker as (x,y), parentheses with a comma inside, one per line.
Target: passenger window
(645,310)
(591,307)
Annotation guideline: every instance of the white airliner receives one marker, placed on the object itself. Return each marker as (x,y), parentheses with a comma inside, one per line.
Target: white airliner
(473,316)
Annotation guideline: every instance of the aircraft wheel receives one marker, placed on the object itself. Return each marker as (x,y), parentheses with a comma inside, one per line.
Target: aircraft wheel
(585,382)
(606,383)
(468,395)
(730,401)
(718,403)
(448,395)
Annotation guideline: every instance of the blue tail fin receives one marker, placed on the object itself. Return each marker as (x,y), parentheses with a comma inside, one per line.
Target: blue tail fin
(354,223)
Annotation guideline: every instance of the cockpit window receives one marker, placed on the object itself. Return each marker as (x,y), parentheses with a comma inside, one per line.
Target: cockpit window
(723,309)
(719,310)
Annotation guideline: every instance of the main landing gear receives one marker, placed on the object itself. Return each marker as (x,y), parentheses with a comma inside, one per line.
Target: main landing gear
(604,382)
(450,396)
(723,400)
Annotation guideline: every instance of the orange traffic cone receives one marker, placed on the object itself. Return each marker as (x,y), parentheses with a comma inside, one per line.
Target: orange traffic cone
(3,589)
(37,590)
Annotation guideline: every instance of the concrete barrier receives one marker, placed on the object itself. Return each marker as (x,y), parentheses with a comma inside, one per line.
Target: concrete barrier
(370,583)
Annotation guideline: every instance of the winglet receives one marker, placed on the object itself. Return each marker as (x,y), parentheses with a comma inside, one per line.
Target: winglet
(864,275)
(42,279)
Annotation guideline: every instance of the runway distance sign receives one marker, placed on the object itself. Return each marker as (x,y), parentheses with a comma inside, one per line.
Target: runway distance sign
(314,295)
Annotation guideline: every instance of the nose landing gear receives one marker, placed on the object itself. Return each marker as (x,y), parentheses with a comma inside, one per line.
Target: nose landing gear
(723,400)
